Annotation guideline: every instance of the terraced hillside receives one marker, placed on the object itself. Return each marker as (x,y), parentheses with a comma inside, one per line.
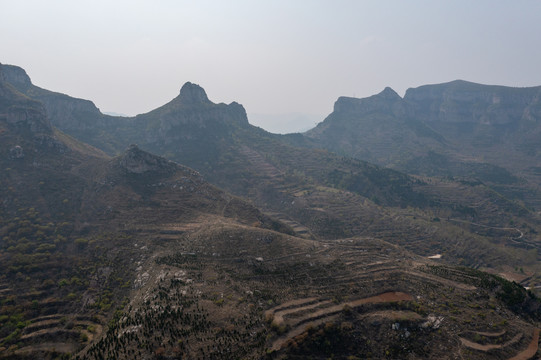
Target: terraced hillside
(219,290)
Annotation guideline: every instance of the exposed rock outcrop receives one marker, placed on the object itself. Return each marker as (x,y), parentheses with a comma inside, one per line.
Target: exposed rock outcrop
(462,101)
(21,112)
(15,76)
(137,161)
(65,112)
(33,119)
(193,94)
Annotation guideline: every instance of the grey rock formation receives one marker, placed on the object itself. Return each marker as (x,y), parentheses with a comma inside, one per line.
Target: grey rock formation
(192,94)
(465,102)
(65,112)
(33,119)
(137,161)
(16,76)
(386,101)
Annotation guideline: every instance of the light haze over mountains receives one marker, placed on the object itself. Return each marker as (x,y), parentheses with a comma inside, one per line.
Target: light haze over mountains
(363,180)
(126,254)
(273,57)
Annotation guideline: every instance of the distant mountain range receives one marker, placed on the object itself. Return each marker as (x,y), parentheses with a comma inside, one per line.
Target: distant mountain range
(282,174)
(454,129)
(112,249)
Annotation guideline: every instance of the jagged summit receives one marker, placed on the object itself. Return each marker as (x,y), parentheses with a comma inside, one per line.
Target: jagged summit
(389,94)
(191,93)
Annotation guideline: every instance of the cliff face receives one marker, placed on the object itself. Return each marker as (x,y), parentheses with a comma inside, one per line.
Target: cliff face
(498,123)
(15,76)
(453,129)
(69,113)
(376,129)
(19,112)
(65,112)
(461,101)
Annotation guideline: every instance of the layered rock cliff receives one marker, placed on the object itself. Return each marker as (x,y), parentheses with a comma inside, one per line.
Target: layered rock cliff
(462,101)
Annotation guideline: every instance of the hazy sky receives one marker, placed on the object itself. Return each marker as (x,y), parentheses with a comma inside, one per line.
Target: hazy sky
(274,57)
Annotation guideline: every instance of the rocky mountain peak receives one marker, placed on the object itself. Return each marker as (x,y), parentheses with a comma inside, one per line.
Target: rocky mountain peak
(137,161)
(389,94)
(384,101)
(15,75)
(192,94)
